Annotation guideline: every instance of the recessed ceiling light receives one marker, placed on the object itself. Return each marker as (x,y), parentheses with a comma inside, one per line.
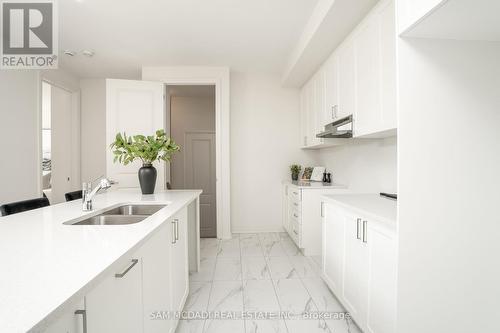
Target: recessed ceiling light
(69,53)
(88,53)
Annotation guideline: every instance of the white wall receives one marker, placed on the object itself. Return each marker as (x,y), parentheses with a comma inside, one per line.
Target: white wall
(449,181)
(188,114)
(366,166)
(19,135)
(264,142)
(93,126)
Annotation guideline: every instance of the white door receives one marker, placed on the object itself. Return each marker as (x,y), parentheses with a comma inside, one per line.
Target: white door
(134,107)
(179,262)
(381,314)
(156,280)
(333,248)
(355,268)
(61,143)
(199,163)
(115,305)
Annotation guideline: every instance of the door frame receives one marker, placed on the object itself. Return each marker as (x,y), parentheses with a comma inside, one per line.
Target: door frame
(56,80)
(219,77)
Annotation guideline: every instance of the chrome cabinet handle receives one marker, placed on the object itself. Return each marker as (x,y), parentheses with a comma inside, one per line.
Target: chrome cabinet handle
(321,211)
(174,240)
(296,204)
(358,228)
(295,232)
(296,193)
(295,215)
(84,319)
(176,230)
(120,275)
(365,224)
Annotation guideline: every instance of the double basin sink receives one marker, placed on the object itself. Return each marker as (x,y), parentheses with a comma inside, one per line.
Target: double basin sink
(125,214)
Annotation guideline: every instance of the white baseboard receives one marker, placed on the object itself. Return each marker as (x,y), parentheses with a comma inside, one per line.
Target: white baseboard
(253,230)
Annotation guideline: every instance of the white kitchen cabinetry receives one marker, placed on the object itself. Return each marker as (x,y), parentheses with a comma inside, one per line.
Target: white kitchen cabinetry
(302,213)
(333,244)
(179,262)
(359,79)
(71,321)
(375,62)
(152,281)
(346,81)
(115,304)
(359,266)
(412,12)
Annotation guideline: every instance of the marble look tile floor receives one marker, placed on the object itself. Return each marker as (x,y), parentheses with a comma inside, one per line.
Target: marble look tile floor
(260,272)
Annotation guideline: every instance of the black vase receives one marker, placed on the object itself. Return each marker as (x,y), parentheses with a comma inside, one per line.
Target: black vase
(147,178)
(295,176)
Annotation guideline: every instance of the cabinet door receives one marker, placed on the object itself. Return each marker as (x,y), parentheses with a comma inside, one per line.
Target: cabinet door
(387,22)
(71,321)
(346,73)
(333,247)
(312,112)
(304,121)
(355,269)
(179,261)
(284,207)
(381,313)
(331,108)
(115,305)
(157,295)
(367,57)
(319,91)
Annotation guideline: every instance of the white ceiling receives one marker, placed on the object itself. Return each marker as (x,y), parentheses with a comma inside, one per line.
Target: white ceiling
(256,35)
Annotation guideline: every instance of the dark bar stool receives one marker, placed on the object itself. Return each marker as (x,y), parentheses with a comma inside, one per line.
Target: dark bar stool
(70,196)
(22,206)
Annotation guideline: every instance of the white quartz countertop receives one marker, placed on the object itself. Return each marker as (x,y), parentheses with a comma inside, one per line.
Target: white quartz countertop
(369,205)
(307,184)
(45,263)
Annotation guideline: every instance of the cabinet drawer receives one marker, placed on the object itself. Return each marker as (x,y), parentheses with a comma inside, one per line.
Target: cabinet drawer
(295,215)
(294,194)
(295,205)
(295,232)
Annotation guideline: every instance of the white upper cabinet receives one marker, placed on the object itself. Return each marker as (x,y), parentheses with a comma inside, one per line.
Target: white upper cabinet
(412,11)
(358,79)
(346,81)
(375,57)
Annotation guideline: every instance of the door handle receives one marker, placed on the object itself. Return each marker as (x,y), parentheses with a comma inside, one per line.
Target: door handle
(84,319)
(176,230)
(120,275)
(365,230)
(174,240)
(358,228)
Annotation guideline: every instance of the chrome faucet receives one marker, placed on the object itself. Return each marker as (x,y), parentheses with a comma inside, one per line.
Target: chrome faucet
(88,193)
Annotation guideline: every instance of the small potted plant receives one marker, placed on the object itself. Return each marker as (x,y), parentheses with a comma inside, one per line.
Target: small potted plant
(148,149)
(295,169)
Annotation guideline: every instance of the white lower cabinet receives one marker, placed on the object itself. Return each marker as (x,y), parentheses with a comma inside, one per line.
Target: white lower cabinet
(72,320)
(333,244)
(359,266)
(115,305)
(179,269)
(140,292)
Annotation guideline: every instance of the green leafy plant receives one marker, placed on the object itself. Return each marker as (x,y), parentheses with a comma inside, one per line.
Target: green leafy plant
(146,148)
(295,168)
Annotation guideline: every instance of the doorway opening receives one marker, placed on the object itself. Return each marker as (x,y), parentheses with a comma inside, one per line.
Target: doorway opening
(191,121)
(59,146)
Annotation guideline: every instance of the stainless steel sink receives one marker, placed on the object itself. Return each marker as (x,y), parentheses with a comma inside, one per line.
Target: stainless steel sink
(134,210)
(111,220)
(125,214)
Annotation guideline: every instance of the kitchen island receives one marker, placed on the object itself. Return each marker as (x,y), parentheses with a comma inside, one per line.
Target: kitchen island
(49,267)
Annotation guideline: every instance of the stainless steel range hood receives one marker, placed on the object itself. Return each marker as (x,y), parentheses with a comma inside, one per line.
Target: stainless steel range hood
(340,128)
